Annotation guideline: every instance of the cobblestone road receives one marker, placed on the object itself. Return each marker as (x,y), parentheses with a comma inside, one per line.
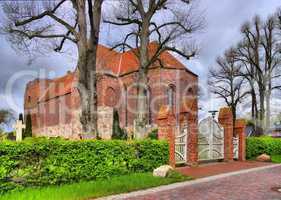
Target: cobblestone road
(249,186)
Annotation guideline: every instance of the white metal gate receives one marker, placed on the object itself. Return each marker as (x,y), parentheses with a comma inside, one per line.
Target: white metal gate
(210,140)
(235,147)
(181,145)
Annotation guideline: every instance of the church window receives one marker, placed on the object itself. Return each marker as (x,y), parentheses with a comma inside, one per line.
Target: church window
(171,96)
(110,97)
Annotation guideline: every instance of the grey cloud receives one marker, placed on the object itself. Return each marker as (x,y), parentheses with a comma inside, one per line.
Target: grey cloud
(224,18)
(16,72)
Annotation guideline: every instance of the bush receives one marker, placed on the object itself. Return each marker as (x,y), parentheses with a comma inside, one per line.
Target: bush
(39,162)
(153,134)
(259,145)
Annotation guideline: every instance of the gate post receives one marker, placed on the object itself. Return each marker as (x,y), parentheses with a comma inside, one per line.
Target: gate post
(240,126)
(189,113)
(226,120)
(166,130)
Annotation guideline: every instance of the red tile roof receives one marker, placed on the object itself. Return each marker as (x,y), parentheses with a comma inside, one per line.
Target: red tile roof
(110,61)
(123,63)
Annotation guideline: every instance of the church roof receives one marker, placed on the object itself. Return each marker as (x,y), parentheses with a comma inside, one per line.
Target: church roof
(108,60)
(127,62)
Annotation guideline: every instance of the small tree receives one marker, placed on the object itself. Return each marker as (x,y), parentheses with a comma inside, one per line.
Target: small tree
(118,132)
(28,125)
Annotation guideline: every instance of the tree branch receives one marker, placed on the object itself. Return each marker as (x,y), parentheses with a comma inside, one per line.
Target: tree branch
(187,56)
(49,13)
(38,35)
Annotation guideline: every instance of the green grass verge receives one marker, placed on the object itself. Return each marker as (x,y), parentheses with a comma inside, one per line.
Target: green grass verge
(94,189)
(276,158)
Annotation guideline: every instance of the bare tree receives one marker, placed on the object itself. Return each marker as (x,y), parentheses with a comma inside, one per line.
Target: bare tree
(225,81)
(260,53)
(171,23)
(271,47)
(249,73)
(34,25)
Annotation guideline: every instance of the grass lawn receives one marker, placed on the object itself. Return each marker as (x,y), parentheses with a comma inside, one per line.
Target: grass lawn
(93,189)
(276,158)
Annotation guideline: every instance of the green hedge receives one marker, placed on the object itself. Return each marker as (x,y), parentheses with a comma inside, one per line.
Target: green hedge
(259,145)
(38,162)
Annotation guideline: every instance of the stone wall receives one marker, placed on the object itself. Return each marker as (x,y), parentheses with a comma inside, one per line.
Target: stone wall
(70,130)
(105,122)
(73,129)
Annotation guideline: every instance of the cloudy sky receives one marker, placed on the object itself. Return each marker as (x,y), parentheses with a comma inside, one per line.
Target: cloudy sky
(223,18)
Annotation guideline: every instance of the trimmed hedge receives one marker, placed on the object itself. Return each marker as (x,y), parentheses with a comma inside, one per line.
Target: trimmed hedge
(38,162)
(259,145)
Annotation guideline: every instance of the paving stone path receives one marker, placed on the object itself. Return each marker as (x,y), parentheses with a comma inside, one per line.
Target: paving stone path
(249,185)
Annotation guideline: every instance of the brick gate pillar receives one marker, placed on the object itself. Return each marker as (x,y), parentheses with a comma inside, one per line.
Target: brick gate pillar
(239,130)
(166,122)
(226,120)
(189,113)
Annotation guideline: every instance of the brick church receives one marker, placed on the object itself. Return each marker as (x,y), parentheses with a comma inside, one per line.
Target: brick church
(54,104)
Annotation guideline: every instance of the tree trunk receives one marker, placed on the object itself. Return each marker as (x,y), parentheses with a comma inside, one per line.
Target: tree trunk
(87,48)
(142,106)
(262,109)
(254,106)
(234,117)
(87,90)
(268,109)
(141,118)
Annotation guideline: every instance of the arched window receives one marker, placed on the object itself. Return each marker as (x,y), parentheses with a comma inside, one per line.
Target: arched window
(111,97)
(171,96)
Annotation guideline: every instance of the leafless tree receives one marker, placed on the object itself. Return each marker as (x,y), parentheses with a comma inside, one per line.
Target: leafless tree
(225,81)
(169,23)
(271,47)
(260,53)
(35,25)
(249,73)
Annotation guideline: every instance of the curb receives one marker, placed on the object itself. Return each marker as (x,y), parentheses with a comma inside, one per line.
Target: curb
(186,183)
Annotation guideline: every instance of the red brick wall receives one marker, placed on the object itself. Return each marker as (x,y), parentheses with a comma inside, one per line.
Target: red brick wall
(52,112)
(111,92)
(226,120)
(158,83)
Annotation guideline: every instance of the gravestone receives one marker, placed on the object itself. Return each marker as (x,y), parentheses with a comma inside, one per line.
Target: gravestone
(19,126)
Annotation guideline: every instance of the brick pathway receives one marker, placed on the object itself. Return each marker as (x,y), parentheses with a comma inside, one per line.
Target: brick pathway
(247,185)
(219,168)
